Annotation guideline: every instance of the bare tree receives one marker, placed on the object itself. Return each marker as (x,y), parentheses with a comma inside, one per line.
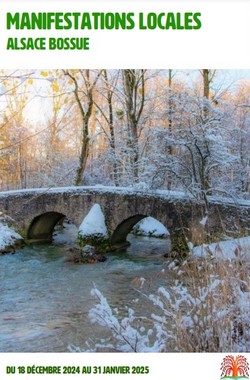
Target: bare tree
(134,90)
(207,77)
(84,85)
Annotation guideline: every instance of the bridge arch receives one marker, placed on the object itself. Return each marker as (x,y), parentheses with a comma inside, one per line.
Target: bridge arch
(42,226)
(180,214)
(119,236)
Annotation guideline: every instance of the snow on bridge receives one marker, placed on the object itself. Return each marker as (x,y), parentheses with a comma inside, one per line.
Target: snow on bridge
(37,211)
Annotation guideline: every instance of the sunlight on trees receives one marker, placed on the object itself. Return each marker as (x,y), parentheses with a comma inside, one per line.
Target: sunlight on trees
(147,128)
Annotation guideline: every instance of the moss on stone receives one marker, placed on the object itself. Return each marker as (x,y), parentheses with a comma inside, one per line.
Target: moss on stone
(98,241)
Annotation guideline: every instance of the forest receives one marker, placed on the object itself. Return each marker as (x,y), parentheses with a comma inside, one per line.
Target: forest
(153,129)
(173,130)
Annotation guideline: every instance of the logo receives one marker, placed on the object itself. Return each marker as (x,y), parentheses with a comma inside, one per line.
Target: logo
(234,367)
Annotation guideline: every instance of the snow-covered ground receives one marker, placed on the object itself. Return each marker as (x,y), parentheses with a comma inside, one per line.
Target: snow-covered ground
(231,249)
(8,237)
(150,227)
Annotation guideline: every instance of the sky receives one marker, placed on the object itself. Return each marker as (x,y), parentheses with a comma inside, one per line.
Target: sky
(39,108)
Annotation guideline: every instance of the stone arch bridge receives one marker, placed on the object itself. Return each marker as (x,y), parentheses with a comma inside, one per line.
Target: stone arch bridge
(36,212)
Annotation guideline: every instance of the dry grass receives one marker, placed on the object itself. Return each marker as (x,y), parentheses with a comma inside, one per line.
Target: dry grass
(208,309)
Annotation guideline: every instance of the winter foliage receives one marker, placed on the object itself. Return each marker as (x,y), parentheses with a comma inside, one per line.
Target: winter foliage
(144,128)
(208,310)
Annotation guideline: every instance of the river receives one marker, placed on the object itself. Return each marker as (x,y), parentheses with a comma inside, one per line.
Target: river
(45,300)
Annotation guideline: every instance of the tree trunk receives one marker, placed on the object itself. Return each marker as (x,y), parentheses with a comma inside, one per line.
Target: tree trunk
(111,130)
(85,115)
(134,85)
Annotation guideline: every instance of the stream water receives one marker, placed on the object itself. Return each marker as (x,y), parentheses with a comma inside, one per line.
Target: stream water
(45,300)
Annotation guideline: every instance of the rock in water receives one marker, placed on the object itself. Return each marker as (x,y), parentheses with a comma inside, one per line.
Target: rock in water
(85,255)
